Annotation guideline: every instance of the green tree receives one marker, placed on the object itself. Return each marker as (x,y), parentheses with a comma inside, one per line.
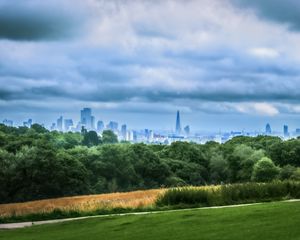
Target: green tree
(296,175)
(39,128)
(265,170)
(90,139)
(241,162)
(218,167)
(6,163)
(286,172)
(108,137)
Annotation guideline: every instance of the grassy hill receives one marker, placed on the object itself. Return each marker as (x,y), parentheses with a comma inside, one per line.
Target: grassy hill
(279,220)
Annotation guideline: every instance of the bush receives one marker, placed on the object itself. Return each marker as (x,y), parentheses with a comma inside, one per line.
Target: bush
(230,194)
(187,195)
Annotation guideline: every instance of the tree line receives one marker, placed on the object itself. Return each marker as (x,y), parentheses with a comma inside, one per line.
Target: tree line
(36,163)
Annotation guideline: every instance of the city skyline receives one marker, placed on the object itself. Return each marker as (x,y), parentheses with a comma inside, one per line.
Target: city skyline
(140,61)
(89,121)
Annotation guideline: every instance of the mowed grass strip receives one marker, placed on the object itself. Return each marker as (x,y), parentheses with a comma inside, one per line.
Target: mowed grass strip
(279,220)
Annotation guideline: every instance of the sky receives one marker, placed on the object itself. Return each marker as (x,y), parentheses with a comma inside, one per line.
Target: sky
(225,64)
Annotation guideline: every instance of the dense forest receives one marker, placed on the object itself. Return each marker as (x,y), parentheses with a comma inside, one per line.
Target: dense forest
(37,164)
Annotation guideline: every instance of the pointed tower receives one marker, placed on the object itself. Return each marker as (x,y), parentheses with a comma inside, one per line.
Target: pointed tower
(178,125)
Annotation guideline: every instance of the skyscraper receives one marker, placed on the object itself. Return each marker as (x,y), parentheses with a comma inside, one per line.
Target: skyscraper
(187,130)
(286,131)
(68,124)
(53,127)
(28,123)
(86,118)
(124,131)
(60,124)
(8,123)
(178,125)
(112,126)
(92,122)
(100,126)
(268,129)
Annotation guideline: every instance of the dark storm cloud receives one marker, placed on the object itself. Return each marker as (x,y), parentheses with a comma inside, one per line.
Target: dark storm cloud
(282,11)
(105,92)
(35,20)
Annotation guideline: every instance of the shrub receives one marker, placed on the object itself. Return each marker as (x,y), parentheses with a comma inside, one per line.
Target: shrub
(230,194)
(186,195)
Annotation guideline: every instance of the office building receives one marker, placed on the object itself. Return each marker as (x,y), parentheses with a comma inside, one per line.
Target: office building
(112,126)
(86,118)
(286,131)
(93,123)
(178,124)
(53,127)
(100,126)
(124,132)
(59,124)
(68,124)
(187,130)
(268,129)
(8,123)
(28,123)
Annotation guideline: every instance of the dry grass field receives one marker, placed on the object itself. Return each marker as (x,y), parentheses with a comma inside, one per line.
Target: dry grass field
(84,203)
(136,199)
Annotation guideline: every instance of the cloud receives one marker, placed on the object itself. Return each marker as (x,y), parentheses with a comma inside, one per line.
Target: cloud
(264,109)
(39,20)
(207,56)
(284,12)
(264,52)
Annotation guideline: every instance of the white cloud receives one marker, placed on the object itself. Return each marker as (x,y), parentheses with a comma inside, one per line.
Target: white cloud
(264,109)
(264,52)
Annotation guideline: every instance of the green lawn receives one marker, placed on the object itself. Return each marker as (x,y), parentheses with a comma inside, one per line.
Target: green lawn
(266,221)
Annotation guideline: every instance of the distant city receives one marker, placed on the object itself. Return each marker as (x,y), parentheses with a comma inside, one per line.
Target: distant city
(88,122)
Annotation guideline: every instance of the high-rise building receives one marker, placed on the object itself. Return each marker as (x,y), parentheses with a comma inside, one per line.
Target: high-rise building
(93,122)
(60,124)
(112,126)
(134,136)
(178,125)
(286,131)
(148,134)
(268,129)
(124,132)
(187,130)
(8,123)
(53,127)
(86,118)
(100,126)
(28,123)
(68,124)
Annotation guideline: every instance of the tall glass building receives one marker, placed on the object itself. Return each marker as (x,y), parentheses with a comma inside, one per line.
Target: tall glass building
(178,124)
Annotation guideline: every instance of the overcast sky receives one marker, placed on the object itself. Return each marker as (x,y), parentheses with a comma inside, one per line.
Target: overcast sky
(225,64)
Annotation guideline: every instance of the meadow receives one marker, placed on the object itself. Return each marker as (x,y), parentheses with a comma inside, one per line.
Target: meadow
(149,200)
(268,221)
(86,203)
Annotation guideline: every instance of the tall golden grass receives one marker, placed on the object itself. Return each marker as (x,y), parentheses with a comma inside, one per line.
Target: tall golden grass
(84,203)
(136,199)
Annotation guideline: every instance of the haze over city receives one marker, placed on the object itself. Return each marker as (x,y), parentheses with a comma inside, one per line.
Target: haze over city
(225,64)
